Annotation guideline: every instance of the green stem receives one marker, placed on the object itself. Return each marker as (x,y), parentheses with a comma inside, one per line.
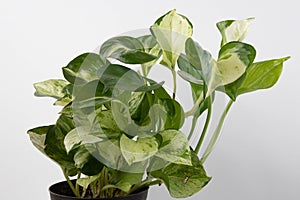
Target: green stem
(145,183)
(77,185)
(145,74)
(155,182)
(83,192)
(216,134)
(70,184)
(196,105)
(194,122)
(174,83)
(208,116)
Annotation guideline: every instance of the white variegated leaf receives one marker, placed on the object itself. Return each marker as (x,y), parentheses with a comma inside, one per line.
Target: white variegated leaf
(175,147)
(79,136)
(138,150)
(171,32)
(234,30)
(51,88)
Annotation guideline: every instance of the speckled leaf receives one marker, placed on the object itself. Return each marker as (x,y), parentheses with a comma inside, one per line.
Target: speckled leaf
(174,147)
(51,88)
(139,149)
(38,136)
(181,180)
(80,136)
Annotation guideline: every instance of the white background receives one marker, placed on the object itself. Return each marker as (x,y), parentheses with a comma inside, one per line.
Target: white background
(258,156)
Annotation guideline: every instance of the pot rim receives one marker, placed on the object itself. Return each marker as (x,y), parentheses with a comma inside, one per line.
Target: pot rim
(77,198)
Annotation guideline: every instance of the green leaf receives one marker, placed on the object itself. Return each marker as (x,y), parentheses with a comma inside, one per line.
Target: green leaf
(188,77)
(86,162)
(188,72)
(91,90)
(234,58)
(114,158)
(72,140)
(161,93)
(196,91)
(171,32)
(139,106)
(181,180)
(83,68)
(63,101)
(124,181)
(262,75)
(51,88)
(55,147)
(122,116)
(86,181)
(138,150)
(90,95)
(232,89)
(109,151)
(174,147)
(200,59)
(121,77)
(152,47)
(80,136)
(175,114)
(38,136)
(49,140)
(233,30)
(107,124)
(153,112)
(126,49)
(193,76)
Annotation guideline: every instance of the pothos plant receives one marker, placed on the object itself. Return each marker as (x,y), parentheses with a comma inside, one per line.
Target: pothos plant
(120,131)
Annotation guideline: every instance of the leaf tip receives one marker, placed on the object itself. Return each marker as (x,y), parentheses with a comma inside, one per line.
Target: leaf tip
(286,58)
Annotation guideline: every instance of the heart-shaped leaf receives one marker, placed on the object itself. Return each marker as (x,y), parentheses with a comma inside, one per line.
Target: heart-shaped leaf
(138,150)
(181,180)
(83,68)
(234,58)
(260,75)
(171,32)
(174,147)
(38,137)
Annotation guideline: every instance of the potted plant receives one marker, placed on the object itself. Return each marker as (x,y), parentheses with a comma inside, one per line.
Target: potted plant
(119,131)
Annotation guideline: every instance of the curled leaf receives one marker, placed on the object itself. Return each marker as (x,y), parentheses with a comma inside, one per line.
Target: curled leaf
(233,30)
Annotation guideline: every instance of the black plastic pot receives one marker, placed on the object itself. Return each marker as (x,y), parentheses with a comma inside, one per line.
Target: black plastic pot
(62,191)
